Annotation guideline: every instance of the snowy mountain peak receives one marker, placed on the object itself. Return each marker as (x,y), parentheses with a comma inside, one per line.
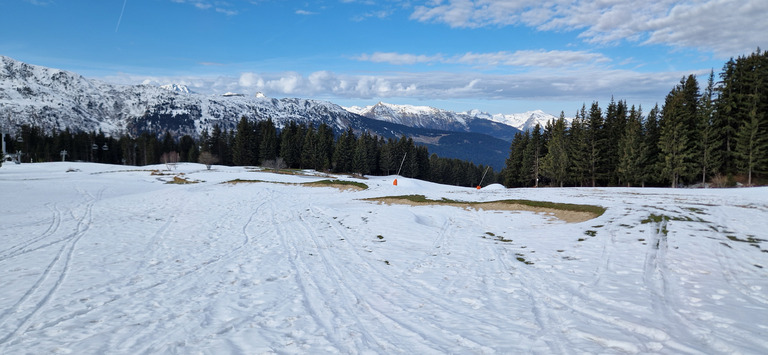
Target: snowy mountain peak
(526,121)
(426,116)
(260,95)
(177,88)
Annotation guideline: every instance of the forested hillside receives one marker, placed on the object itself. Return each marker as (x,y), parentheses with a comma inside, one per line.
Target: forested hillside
(252,143)
(717,134)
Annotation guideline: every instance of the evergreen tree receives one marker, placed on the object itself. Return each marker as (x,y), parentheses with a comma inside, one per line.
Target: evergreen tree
(514,162)
(310,156)
(361,156)
(708,142)
(344,153)
(613,130)
(291,141)
(578,148)
(595,143)
(632,150)
(677,129)
(325,146)
(556,163)
(651,171)
(751,146)
(243,150)
(267,141)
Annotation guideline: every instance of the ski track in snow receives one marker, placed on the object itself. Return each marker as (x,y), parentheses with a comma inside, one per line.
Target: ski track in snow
(124,263)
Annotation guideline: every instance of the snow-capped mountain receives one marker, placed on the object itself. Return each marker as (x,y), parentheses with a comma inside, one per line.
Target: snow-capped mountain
(434,118)
(181,89)
(414,116)
(525,121)
(56,99)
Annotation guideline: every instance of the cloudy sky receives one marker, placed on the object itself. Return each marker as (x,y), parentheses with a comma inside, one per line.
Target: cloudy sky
(503,56)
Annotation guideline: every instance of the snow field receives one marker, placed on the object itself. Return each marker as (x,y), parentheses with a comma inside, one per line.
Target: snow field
(111,259)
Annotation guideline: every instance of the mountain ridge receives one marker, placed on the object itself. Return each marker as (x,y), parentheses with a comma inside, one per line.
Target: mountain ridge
(55,99)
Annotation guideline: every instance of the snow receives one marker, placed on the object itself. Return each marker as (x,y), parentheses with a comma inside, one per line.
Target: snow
(111,259)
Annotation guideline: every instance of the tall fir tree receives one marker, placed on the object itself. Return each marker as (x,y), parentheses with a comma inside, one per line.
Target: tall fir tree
(579,148)
(677,133)
(243,151)
(709,138)
(632,150)
(268,145)
(595,143)
(556,163)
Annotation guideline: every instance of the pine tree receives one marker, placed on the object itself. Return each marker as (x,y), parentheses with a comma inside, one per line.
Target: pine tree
(291,141)
(343,155)
(651,171)
(595,143)
(632,150)
(514,162)
(243,151)
(556,163)
(708,142)
(325,147)
(268,144)
(578,148)
(613,130)
(309,153)
(677,130)
(751,146)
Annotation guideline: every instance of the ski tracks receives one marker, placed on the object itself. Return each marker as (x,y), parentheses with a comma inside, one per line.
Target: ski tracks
(17,320)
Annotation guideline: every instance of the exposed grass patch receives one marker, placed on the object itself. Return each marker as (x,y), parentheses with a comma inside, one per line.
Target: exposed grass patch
(566,211)
(750,239)
(178,180)
(591,233)
(521,258)
(340,184)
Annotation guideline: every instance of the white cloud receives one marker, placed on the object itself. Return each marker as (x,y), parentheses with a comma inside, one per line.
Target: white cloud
(522,58)
(221,7)
(305,12)
(251,80)
(583,84)
(725,27)
(398,58)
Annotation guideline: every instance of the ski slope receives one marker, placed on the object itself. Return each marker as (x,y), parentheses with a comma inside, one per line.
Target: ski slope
(112,259)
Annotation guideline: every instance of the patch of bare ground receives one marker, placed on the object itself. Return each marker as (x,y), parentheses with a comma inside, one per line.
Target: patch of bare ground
(565,212)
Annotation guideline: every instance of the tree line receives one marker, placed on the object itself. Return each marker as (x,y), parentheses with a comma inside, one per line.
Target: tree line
(718,135)
(254,143)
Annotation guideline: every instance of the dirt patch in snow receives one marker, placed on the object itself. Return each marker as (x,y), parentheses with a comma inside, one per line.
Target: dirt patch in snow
(342,187)
(565,215)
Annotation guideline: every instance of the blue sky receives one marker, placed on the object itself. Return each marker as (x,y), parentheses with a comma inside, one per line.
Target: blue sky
(497,56)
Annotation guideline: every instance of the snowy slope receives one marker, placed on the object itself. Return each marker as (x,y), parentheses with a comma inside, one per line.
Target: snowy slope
(110,259)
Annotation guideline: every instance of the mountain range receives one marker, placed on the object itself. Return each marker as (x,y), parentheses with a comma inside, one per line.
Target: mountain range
(56,99)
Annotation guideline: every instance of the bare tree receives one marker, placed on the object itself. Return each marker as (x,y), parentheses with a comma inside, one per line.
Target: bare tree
(208,159)
(275,164)
(170,159)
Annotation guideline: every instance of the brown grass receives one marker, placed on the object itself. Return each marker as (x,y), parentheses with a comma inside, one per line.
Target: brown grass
(566,212)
